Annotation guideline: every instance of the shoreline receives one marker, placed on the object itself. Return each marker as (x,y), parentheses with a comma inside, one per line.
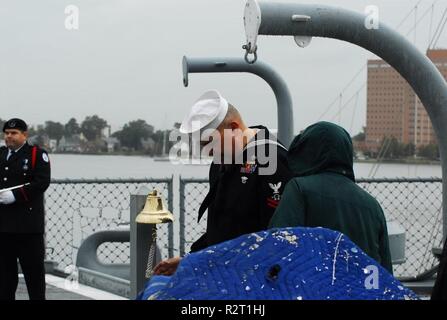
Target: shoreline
(387,161)
(401,161)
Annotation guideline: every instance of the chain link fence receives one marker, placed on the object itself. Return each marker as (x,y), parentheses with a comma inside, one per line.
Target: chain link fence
(416,204)
(192,193)
(76,209)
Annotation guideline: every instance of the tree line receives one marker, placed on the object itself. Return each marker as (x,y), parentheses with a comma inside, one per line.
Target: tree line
(392,149)
(94,135)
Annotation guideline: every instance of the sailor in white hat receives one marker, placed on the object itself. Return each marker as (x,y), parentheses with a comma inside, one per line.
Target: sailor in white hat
(213,119)
(208,121)
(208,112)
(240,199)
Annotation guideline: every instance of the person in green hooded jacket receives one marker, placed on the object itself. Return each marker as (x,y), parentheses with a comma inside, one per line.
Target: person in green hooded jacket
(323,192)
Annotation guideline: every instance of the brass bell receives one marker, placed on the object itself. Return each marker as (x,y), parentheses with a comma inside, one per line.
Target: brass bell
(154,210)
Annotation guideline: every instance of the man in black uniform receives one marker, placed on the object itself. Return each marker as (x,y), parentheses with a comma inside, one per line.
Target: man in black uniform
(243,194)
(24,177)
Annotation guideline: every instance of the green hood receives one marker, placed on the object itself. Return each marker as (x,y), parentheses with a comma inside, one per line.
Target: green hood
(322,147)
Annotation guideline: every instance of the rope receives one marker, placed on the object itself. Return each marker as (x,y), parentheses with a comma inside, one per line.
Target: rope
(437,29)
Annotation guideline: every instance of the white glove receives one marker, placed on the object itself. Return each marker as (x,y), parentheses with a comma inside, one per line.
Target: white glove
(7,197)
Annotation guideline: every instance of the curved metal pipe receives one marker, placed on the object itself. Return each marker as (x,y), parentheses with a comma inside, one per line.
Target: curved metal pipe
(261,69)
(87,254)
(337,23)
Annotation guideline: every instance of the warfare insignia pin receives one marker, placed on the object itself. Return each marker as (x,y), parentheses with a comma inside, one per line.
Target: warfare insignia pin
(275,187)
(25,165)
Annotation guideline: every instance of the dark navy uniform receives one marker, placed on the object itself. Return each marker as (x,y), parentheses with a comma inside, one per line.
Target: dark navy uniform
(440,289)
(240,200)
(22,222)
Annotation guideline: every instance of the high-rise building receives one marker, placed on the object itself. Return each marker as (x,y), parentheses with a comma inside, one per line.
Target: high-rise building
(393,109)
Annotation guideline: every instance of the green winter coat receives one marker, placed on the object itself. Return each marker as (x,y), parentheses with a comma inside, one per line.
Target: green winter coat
(324,193)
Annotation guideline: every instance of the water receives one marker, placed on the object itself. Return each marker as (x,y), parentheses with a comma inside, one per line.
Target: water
(95,166)
(98,166)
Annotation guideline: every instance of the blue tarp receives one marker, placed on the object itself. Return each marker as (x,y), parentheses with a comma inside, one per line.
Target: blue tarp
(153,286)
(287,263)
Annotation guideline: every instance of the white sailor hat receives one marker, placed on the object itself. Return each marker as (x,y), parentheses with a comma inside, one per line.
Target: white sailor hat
(208,112)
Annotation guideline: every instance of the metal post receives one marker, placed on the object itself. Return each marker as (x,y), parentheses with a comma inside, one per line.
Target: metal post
(140,242)
(171,225)
(264,71)
(287,19)
(182,217)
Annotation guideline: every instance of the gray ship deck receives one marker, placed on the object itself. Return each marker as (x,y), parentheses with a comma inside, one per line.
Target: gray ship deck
(57,290)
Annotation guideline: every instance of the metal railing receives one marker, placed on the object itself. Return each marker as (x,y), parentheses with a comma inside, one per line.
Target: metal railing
(76,209)
(416,204)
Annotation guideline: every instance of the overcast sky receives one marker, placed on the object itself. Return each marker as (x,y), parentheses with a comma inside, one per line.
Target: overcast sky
(124,62)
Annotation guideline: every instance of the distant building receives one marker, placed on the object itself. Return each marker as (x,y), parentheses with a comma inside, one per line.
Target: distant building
(70,144)
(148,144)
(41,141)
(359,147)
(106,132)
(113,144)
(393,109)
(52,145)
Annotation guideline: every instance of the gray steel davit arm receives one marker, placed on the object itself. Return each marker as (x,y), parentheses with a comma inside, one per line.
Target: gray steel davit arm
(278,85)
(87,254)
(342,24)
